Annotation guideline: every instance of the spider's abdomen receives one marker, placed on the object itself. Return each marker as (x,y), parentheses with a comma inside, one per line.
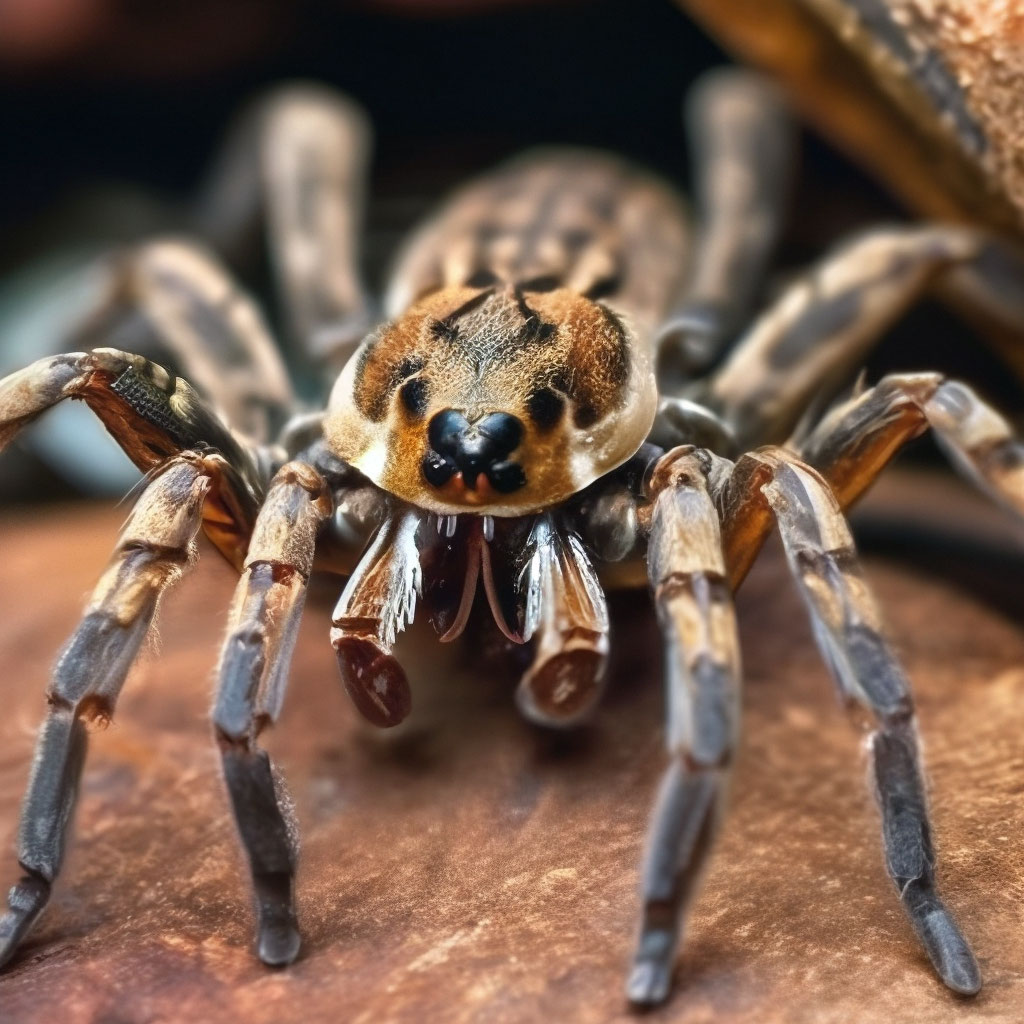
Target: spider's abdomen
(528,301)
(572,218)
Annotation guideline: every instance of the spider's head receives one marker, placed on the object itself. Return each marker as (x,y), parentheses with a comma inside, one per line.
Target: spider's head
(503,400)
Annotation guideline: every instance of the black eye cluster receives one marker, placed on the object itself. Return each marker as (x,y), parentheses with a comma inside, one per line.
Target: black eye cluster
(472,449)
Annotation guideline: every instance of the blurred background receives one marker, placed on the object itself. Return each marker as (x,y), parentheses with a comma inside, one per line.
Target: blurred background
(112,110)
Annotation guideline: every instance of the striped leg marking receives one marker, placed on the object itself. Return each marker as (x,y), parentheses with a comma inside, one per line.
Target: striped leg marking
(854,443)
(702,666)
(155,548)
(253,676)
(848,629)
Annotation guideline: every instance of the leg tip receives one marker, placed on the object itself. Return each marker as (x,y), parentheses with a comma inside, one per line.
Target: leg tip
(279,944)
(649,983)
(650,980)
(946,947)
(26,901)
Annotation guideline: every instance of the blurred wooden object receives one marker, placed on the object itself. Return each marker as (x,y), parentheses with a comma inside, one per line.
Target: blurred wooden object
(472,869)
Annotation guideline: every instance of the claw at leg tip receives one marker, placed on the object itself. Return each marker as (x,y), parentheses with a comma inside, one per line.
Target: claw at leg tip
(279,945)
(649,983)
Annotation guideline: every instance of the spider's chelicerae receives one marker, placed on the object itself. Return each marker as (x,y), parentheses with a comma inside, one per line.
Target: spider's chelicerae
(535,411)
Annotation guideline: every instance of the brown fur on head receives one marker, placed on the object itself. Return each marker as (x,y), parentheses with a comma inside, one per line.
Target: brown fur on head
(567,367)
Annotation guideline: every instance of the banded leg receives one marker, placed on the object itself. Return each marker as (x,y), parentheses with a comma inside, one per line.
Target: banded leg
(253,676)
(741,140)
(702,666)
(848,629)
(310,148)
(817,334)
(155,548)
(855,442)
(567,616)
(215,332)
(153,416)
(378,602)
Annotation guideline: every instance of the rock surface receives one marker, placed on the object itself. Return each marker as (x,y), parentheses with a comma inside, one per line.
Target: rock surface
(470,869)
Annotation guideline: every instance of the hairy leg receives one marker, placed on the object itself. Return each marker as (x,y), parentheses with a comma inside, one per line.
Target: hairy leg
(855,442)
(253,675)
(847,625)
(155,548)
(177,293)
(299,158)
(702,666)
(153,416)
(817,334)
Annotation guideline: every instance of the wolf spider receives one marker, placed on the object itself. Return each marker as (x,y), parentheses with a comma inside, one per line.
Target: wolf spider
(544,396)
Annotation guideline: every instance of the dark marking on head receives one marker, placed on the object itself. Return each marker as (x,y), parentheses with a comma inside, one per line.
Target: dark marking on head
(408,366)
(584,416)
(373,397)
(619,361)
(445,330)
(414,394)
(545,408)
(534,329)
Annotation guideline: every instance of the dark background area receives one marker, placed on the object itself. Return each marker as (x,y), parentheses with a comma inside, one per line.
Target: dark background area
(137,106)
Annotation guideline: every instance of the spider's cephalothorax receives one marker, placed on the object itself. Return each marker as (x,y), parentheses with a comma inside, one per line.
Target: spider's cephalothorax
(519,372)
(537,410)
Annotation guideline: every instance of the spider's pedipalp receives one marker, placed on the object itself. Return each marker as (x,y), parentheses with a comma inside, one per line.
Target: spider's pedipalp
(378,602)
(156,546)
(567,616)
(702,669)
(253,675)
(847,626)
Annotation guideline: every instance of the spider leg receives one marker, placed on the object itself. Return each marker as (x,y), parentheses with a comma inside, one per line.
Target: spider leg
(817,334)
(702,666)
(742,142)
(253,675)
(152,416)
(853,444)
(155,548)
(181,294)
(309,147)
(847,625)
(567,615)
(378,602)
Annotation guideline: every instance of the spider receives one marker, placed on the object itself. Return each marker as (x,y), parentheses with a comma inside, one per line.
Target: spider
(562,389)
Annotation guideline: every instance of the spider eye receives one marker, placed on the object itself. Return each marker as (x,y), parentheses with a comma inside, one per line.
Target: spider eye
(545,408)
(413,394)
